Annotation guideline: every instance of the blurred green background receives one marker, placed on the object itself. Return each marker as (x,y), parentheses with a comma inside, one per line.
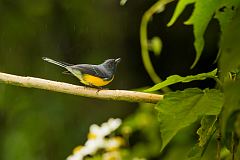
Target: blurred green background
(37,124)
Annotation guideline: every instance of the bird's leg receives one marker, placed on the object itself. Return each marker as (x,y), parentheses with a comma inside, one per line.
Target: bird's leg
(99,88)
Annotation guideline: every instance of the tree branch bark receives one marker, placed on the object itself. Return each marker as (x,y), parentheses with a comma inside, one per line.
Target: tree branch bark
(118,95)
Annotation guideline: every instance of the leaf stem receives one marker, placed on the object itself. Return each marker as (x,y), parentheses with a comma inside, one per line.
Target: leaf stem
(219,144)
(158,6)
(219,83)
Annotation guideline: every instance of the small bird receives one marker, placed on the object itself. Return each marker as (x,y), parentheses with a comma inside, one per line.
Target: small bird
(89,74)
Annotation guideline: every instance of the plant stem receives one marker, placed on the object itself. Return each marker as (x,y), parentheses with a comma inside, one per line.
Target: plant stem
(159,5)
(219,145)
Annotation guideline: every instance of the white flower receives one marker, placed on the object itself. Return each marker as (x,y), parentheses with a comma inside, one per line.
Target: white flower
(95,131)
(113,143)
(105,129)
(114,123)
(93,145)
(112,155)
(77,156)
(96,139)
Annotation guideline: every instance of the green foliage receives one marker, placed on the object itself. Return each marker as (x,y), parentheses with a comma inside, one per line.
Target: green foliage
(143,124)
(230,58)
(201,16)
(182,4)
(206,129)
(229,63)
(205,133)
(226,12)
(176,79)
(155,44)
(230,110)
(182,108)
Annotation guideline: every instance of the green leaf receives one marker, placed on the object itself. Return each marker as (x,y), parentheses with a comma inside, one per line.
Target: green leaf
(229,62)
(206,129)
(182,4)
(225,15)
(200,18)
(176,79)
(224,11)
(205,133)
(230,58)
(182,108)
(195,153)
(230,110)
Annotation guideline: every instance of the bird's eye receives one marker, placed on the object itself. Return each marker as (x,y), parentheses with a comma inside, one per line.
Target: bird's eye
(111,64)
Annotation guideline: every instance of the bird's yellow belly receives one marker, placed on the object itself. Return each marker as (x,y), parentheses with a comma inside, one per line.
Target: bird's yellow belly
(94,81)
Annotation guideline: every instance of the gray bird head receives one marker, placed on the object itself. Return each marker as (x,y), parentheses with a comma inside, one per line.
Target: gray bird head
(111,64)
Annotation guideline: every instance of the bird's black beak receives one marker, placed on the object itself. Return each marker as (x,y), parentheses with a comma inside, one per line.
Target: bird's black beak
(117,60)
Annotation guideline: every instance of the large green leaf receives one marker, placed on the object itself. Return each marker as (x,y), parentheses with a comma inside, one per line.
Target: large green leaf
(182,108)
(176,79)
(200,18)
(202,14)
(226,12)
(229,60)
(205,133)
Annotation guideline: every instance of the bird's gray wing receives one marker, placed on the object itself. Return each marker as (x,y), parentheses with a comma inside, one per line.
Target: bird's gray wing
(95,70)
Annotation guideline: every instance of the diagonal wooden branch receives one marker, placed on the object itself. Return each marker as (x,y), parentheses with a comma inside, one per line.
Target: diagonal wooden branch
(118,95)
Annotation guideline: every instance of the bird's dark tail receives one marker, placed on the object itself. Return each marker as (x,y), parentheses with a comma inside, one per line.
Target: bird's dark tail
(61,64)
